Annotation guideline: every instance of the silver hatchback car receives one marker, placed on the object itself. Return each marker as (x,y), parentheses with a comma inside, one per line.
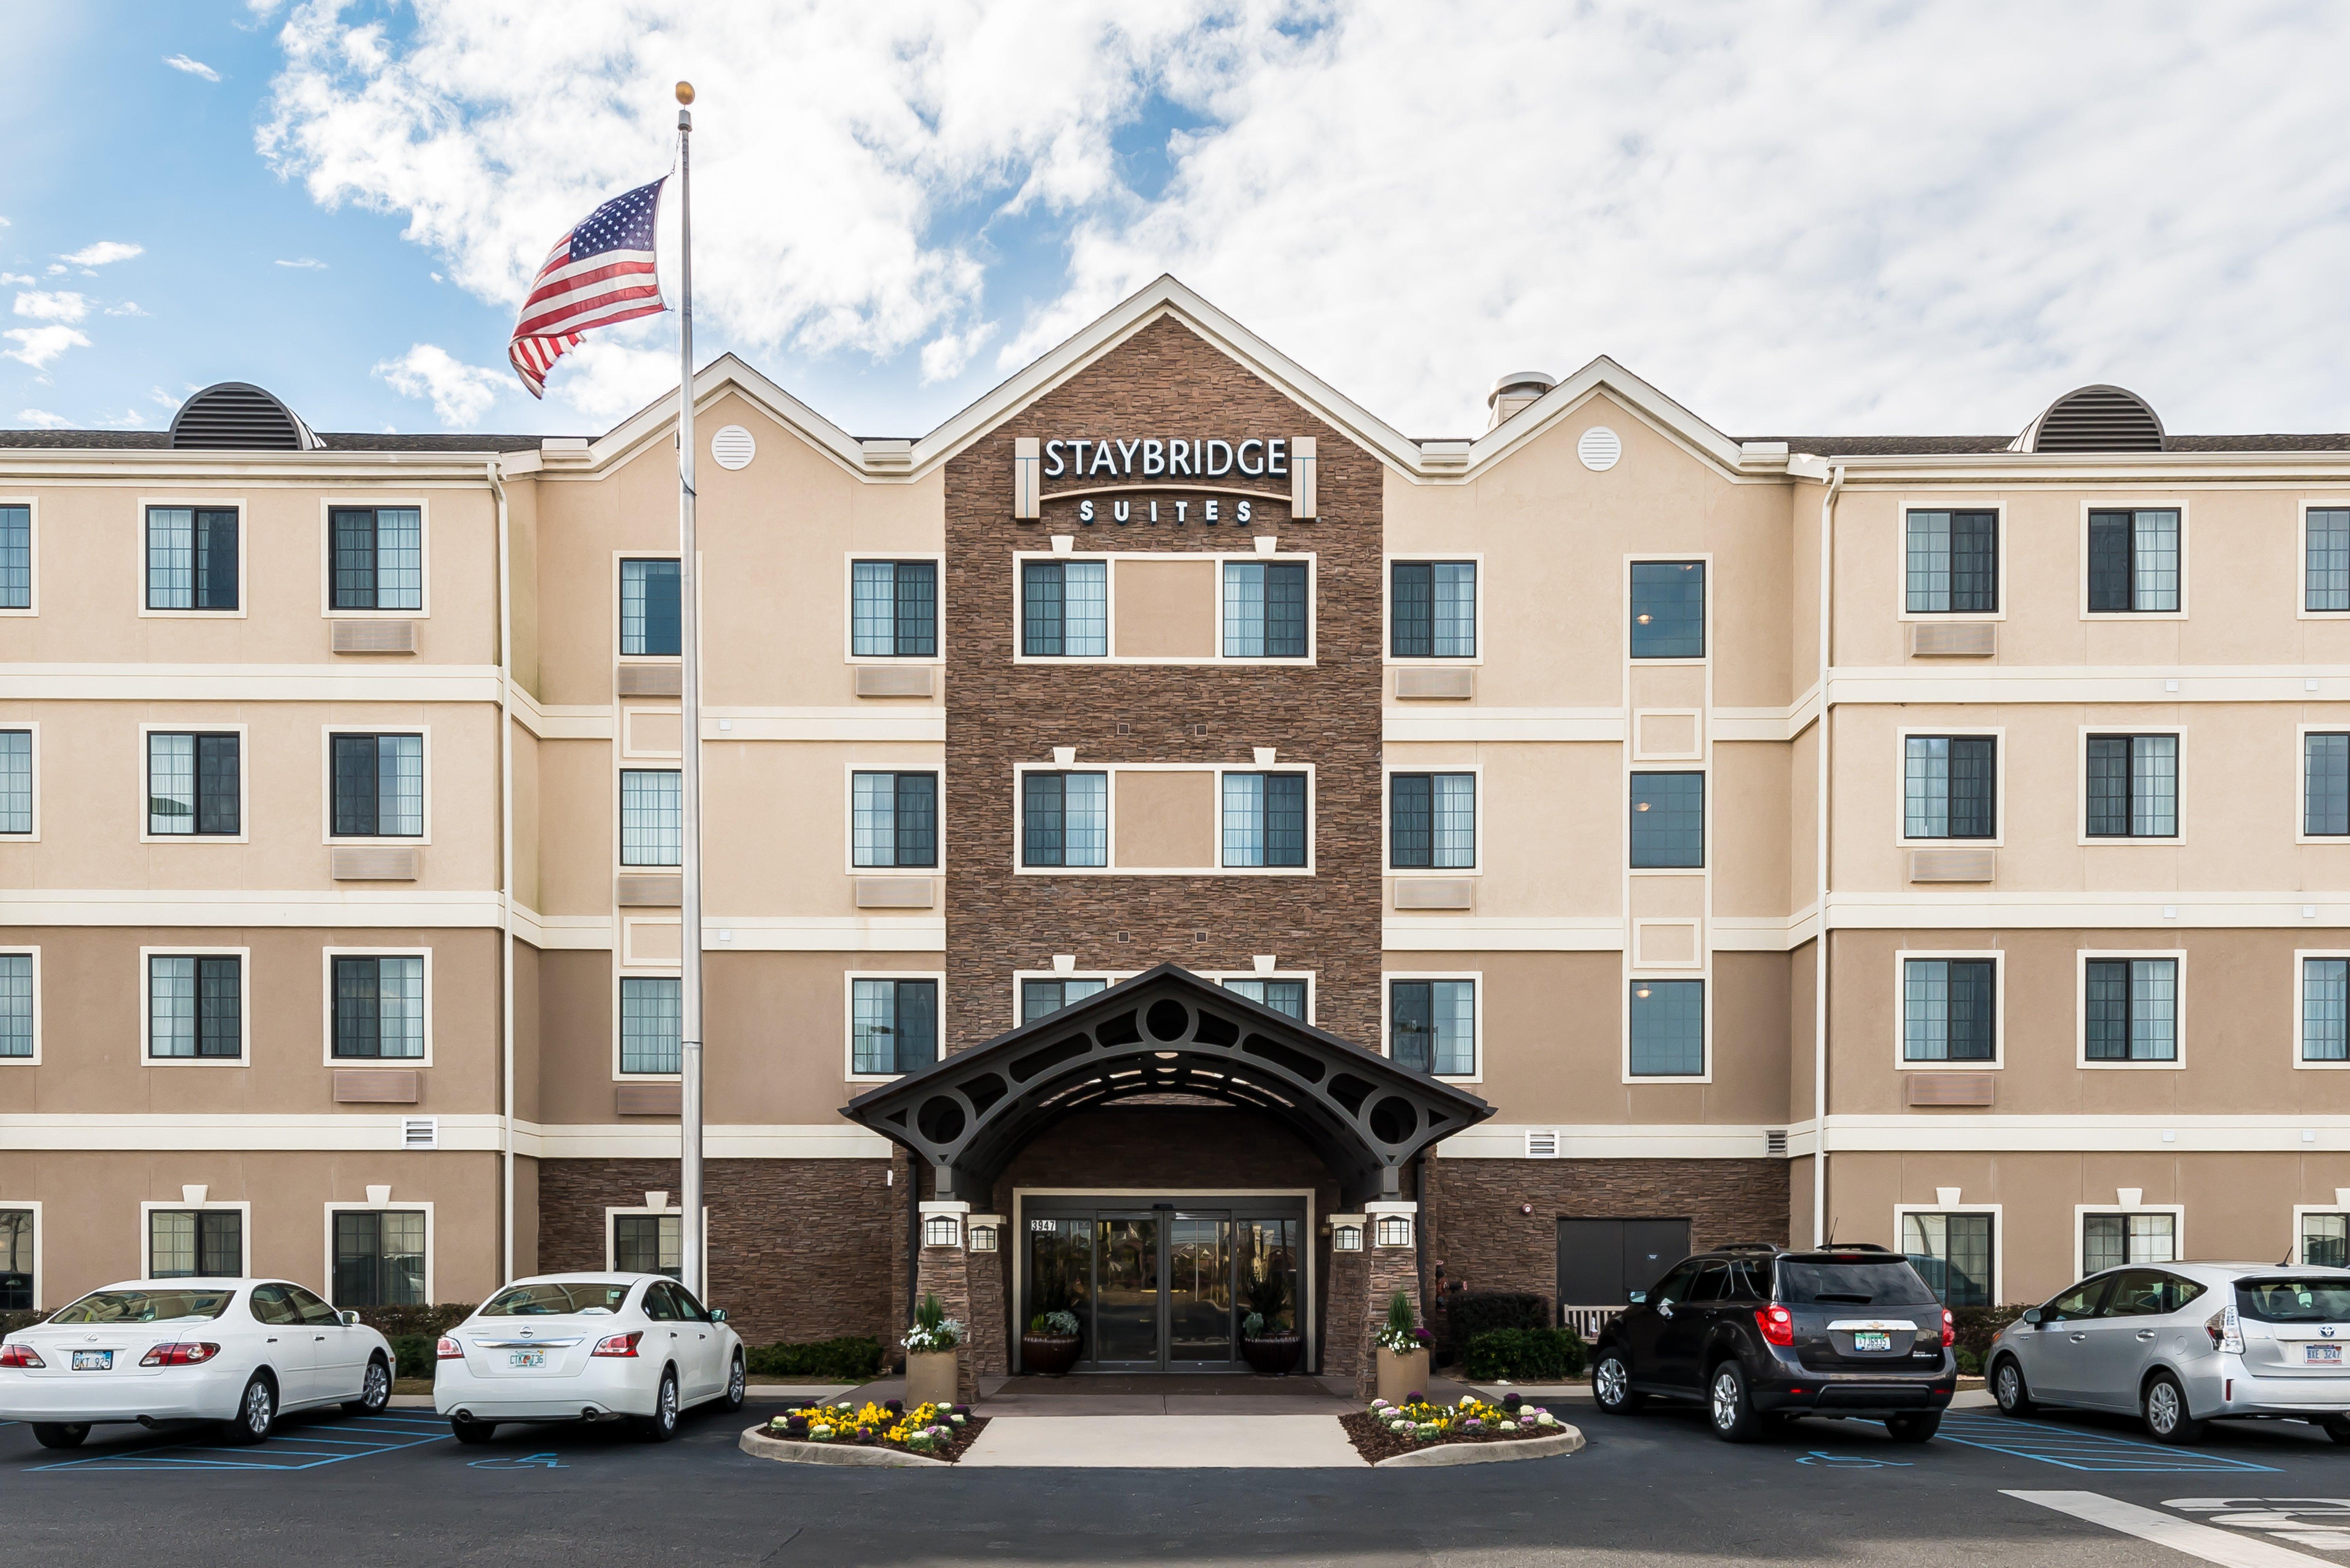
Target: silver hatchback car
(2181,1343)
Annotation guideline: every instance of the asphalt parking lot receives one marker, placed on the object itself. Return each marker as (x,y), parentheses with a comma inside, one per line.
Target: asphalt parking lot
(331,1489)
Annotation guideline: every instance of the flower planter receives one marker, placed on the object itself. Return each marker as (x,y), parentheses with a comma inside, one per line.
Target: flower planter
(1275,1354)
(1049,1355)
(1402,1374)
(930,1378)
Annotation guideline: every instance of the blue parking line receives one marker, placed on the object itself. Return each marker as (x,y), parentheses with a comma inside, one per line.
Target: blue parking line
(2074,1450)
(301,1448)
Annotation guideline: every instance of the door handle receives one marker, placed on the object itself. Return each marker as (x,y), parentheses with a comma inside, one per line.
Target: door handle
(2079,1337)
(1664,1309)
(2146,1333)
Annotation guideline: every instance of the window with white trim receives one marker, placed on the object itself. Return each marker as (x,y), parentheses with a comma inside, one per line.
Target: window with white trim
(378,1007)
(379,786)
(378,1258)
(893,610)
(15,557)
(2133,1011)
(378,557)
(1953,1254)
(894,819)
(1950,1010)
(194,784)
(2325,578)
(1064,819)
(2325,785)
(17,1003)
(2326,1240)
(1953,562)
(2112,1241)
(1432,609)
(2325,1010)
(1264,609)
(893,1024)
(16,780)
(1431,821)
(1432,1026)
(1065,609)
(1667,609)
(2134,561)
(2133,786)
(192,559)
(1667,1028)
(652,1026)
(651,624)
(1281,995)
(652,817)
(1042,998)
(1264,819)
(196,1244)
(649,1244)
(195,1006)
(18,1288)
(1667,820)
(1949,786)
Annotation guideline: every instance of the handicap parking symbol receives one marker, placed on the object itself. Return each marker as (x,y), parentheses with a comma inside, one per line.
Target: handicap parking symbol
(2322,1523)
(525,1462)
(1849,1461)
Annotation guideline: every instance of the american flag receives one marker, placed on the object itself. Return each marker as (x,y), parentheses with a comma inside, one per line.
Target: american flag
(598,274)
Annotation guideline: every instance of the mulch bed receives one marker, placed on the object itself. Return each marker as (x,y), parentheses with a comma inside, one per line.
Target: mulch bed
(1375,1442)
(952,1451)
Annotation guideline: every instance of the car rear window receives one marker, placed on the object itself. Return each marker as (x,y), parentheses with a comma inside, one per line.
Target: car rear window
(2305,1300)
(145,1306)
(1856,1282)
(551,1299)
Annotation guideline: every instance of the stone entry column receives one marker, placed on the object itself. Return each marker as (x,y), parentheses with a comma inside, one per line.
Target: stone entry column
(990,1350)
(1394,1265)
(943,1270)
(1348,1292)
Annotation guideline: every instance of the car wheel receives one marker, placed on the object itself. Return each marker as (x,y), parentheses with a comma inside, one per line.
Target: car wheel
(2008,1388)
(375,1393)
(1611,1383)
(2164,1404)
(662,1425)
(1914,1426)
(1729,1406)
(738,1384)
(257,1411)
(473,1431)
(60,1434)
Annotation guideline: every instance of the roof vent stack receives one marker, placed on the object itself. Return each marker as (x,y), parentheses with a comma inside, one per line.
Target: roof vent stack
(1516,390)
(237,415)
(2094,418)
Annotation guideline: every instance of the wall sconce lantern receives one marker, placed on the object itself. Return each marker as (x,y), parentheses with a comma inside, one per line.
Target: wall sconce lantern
(1394,1230)
(941,1231)
(982,1237)
(1347,1239)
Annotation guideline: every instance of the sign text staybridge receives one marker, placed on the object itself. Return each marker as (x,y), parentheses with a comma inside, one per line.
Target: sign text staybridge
(1211,469)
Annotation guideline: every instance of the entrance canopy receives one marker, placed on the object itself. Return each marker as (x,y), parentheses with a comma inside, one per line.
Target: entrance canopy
(1166,1031)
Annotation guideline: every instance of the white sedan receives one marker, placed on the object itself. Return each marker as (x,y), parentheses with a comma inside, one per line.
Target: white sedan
(587,1347)
(151,1351)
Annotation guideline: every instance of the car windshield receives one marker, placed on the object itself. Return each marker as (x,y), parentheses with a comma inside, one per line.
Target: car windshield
(553,1298)
(2309,1300)
(145,1306)
(1852,1282)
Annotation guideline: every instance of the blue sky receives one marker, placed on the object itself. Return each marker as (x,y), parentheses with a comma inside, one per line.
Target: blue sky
(1794,218)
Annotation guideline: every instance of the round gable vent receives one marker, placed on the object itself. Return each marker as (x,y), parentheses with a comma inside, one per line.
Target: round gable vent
(237,415)
(2094,418)
(1599,449)
(733,447)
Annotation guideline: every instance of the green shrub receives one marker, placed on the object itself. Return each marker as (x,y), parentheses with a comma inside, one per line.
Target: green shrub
(1526,1354)
(1975,1327)
(400,1322)
(10,1322)
(413,1355)
(1467,1313)
(850,1359)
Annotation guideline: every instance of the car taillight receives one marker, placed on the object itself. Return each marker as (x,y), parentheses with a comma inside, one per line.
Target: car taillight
(184,1353)
(1949,1329)
(2227,1331)
(449,1350)
(20,1355)
(1777,1323)
(619,1343)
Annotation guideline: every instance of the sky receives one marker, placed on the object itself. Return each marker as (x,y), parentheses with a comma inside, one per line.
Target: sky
(1793,216)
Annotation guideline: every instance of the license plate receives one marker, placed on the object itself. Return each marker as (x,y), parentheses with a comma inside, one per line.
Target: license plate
(93,1361)
(2330,1354)
(525,1359)
(1872,1339)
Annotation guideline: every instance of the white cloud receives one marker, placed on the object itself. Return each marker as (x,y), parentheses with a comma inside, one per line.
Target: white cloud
(23,277)
(305,263)
(42,419)
(59,306)
(36,346)
(100,253)
(160,396)
(193,67)
(128,307)
(130,420)
(460,393)
(944,356)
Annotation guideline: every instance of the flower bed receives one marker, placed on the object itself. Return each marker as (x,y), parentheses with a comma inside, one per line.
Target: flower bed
(1385,1430)
(935,1431)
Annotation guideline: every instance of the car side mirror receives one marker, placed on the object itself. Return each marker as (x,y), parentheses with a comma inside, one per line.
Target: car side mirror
(2032,1316)
(718,1314)
(351,1319)
(1637,1297)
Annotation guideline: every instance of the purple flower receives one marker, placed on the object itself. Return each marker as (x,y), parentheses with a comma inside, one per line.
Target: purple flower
(1422,1335)
(1414,1397)
(1472,1425)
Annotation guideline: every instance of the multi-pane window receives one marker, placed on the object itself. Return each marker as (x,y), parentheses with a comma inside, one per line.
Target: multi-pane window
(1949,786)
(893,609)
(894,819)
(1431,821)
(2327,579)
(1668,819)
(1953,562)
(378,557)
(1264,819)
(379,1006)
(1042,998)
(379,786)
(2133,786)
(652,817)
(1264,609)
(2112,1241)
(194,784)
(2325,1010)
(1065,609)
(2133,1010)
(195,1006)
(652,1024)
(1668,610)
(1281,995)
(196,1244)
(16,1005)
(1668,1035)
(16,780)
(2324,1241)
(650,622)
(2134,561)
(15,1259)
(649,1244)
(190,558)
(1432,1026)
(1064,819)
(2326,785)
(1432,609)
(893,1025)
(378,1258)
(15,557)
(1951,1252)
(1950,1010)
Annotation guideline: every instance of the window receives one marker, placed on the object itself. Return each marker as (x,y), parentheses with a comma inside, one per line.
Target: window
(2110,1240)
(196,1244)
(1668,819)
(1264,609)
(195,1006)
(1065,609)
(2133,786)
(1949,786)
(1951,1252)
(2133,562)
(378,557)
(1064,819)
(1432,1026)
(894,1025)
(2324,1241)
(651,1023)
(1431,821)
(379,786)
(194,784)
(893,609)
(16,780)
(192,559)
(1281,995)
(380,1258)
(2326,576)
(16,1039)
(1668,1028)
(2324,1006)
(15,1259)
(1668,610)
(2150,1293)
(1042,998)
(2324,786)
(896,819)
(652,817)
(649,1244)
(15,557)
(1264,819)
(1432,609)
(650,623)
(379,1007)
(1953,566)
(2133,1010)
(1950,1010)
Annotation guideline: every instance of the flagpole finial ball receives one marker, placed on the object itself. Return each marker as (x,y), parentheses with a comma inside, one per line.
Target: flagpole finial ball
(686,92)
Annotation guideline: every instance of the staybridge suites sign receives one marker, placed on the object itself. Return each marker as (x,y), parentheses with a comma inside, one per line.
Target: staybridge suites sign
(1185,464)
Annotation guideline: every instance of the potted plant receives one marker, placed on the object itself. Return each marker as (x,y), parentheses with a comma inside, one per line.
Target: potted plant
(1269,1336)
(931,1354)
(1053,1340)
(1402,1350)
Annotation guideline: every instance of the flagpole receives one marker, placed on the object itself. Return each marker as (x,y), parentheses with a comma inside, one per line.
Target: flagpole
(689,600)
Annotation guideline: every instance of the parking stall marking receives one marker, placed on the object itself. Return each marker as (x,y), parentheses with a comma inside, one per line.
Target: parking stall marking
(300,1449)
(2224,1547)
(2074,1450)
(2322,1523)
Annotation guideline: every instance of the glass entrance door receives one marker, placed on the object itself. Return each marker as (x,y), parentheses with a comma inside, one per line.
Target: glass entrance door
(1199,1288)
(1128,1311)
(1164,1287)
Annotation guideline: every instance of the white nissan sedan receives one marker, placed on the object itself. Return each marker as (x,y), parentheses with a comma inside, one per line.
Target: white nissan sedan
(587,1347)
(151,1351)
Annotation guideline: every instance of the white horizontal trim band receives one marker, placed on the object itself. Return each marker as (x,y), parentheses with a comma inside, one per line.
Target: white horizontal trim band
(57,1131)
(348,680)
(659,1140)
(1507,1140)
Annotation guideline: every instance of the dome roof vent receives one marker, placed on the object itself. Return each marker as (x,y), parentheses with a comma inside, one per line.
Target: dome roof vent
(1516,390)
(2094,418)
(237,415)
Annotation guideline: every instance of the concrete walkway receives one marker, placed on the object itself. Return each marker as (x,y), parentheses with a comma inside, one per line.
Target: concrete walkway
(1085,1441)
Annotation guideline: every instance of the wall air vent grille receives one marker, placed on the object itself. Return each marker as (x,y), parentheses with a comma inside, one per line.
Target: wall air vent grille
(419,1132)
(1542,1145)
(2095,418)
(1774,1142)
(237,415)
